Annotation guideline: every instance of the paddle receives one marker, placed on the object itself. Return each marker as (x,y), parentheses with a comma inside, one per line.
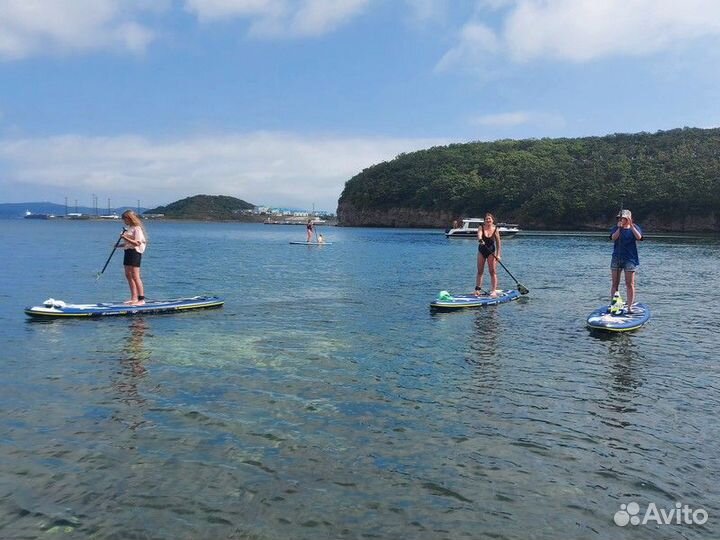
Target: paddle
(521,288)
(100,273)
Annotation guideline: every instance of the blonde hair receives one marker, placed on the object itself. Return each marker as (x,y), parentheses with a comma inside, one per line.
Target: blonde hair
(134,220)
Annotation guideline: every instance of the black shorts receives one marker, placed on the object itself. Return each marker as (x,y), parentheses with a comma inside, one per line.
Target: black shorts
(132,258)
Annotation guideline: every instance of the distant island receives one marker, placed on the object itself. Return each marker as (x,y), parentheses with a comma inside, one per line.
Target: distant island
(669,179)
(209,208)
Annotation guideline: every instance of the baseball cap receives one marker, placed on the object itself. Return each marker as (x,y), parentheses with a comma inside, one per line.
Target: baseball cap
(624,214)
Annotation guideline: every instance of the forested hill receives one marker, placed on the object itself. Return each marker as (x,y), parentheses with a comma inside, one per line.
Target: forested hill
(206,207)
(669,179)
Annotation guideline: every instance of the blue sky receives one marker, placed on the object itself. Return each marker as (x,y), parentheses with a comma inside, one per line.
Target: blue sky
(279,102)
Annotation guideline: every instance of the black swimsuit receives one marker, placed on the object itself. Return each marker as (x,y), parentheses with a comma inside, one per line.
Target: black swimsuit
(487,246)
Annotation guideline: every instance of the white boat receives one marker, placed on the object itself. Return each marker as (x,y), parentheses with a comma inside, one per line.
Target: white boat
(470,228)
(30,215)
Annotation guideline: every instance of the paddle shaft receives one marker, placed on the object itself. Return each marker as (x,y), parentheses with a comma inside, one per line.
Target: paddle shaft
(112,252)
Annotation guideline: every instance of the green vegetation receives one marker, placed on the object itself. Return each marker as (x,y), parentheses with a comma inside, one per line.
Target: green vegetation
(207,207)
(551,182)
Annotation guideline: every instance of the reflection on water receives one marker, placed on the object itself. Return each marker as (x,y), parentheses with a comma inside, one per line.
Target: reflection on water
(132,371)
(483,341)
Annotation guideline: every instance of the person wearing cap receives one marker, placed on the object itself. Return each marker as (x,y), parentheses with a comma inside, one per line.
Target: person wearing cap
(625,236)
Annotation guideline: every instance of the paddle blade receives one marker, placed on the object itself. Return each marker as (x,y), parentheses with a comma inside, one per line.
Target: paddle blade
(522,289)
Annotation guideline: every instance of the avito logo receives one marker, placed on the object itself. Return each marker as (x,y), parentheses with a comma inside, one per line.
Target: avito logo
(680,514)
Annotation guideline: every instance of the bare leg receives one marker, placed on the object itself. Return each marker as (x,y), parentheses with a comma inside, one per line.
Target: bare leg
(131,284)
(492,268)
(630,286)
(615,274)
(479,276)
(137,281)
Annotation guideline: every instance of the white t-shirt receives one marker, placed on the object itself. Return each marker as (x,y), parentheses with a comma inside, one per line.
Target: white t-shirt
(138,235)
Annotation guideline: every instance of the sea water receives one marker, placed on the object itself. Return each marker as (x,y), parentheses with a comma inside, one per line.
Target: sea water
(325,400)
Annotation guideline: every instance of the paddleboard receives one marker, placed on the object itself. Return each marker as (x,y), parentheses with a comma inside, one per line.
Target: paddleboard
(311,243)
(602,319)
(446,301)
(58,308)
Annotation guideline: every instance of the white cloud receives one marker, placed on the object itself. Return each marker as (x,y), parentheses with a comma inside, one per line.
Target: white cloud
(427,10)
(281,18)
(585,30)
(519,118)
(503,119)
(29,27)
(476,42)
(211,10)
(262,167)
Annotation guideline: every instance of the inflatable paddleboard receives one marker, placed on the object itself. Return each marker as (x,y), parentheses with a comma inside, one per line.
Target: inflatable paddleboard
(602,319)
(311,243)
(58,308)
(448,301)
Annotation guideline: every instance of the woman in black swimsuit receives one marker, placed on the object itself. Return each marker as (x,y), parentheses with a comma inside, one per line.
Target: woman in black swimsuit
(310,231)
(488,250)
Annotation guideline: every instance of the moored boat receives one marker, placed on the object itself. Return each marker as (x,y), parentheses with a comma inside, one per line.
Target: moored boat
(30,215)
(470,228)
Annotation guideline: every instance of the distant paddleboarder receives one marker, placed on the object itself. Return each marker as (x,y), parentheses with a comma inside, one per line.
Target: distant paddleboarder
(625,235)
(310,230)
(134,242)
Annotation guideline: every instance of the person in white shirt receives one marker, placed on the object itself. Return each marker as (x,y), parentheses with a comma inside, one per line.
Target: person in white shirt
(134,245)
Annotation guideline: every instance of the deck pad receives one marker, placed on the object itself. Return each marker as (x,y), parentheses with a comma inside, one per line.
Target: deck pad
(448,301)
(58,308)
(602,319)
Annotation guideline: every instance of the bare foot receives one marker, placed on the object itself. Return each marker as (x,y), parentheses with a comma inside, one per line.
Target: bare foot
(138,303)
(493,294)
(131,301)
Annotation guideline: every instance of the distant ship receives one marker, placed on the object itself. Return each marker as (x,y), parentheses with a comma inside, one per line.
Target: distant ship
(30,215)
(76,215)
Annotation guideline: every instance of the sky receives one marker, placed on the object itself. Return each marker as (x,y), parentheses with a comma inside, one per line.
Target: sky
(280,102)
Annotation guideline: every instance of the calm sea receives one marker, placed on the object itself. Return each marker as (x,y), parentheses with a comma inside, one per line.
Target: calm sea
(326,401)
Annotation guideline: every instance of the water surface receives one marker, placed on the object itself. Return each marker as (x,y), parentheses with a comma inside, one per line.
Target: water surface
(325,400)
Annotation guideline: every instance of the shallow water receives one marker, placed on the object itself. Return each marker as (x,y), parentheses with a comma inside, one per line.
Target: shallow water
(325,400)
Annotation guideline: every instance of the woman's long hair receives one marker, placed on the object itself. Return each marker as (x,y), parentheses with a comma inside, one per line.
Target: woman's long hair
(135,221)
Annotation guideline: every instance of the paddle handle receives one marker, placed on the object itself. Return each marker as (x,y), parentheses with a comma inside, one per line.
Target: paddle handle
(112,252)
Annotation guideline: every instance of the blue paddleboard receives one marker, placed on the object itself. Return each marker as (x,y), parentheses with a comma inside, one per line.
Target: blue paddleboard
(446,301)
(58,308)
(602,319)
(311,243)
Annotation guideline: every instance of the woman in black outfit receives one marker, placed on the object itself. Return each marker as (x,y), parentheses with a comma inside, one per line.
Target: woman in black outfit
(488,250)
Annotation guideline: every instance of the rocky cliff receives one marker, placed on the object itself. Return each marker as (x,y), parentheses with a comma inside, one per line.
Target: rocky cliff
(349,216)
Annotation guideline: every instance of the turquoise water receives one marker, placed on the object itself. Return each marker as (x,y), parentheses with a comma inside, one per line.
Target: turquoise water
(325,400)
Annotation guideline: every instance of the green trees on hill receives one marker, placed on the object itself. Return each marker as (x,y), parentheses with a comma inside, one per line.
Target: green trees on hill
(551,181)
(218,207)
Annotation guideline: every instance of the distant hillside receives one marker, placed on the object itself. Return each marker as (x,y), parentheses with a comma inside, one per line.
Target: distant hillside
(669,179)
(17,210)
(206,207)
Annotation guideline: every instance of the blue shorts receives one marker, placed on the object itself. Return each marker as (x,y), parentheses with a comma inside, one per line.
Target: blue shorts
(619,264)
